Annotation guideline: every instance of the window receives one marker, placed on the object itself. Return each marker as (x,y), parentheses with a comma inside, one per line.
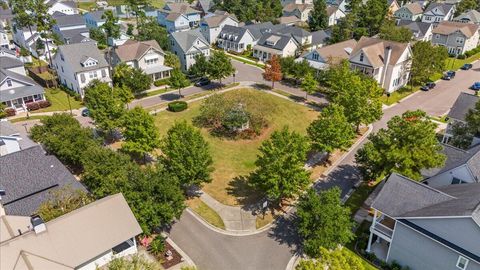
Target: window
(62,70)
(61,57)
(9,83)
(92,74)
(104,73)
(361,57)
(151,61)
(315,56)
(459,40)
(437,36)
(462,262)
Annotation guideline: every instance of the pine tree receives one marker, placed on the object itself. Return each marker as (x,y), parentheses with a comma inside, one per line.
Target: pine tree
(318,18)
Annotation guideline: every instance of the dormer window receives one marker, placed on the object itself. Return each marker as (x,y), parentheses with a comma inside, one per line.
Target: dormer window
(361,57)
(315,56)
(9,83)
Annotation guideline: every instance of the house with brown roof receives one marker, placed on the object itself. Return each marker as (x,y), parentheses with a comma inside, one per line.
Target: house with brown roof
(411,11)
(301,11)
(322,58)
(456,36)
(86,238)
(386,61)
(212,24)
(145,55)
(178,17)
(334,14)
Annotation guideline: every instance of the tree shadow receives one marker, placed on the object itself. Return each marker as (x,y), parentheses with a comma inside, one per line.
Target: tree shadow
(285,232)
(245,194)
(344,176)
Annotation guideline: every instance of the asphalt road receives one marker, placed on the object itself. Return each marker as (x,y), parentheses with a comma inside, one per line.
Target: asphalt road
(273,249)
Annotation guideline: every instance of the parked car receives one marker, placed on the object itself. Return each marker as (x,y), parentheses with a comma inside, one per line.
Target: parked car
(430,85)
(85,112)
(202,82)
(466,66)
(475,86)
(448,75)
(424,88)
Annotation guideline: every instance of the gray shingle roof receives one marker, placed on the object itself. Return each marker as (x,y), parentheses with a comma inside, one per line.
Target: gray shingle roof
(462,105)
(9,62)
(69,20)
(73,53)
(320,37)
(185,39)
(281,41)
(418,28)
(206,5)
(444,7)
(97,15)
(258,29)
(457,157)
(294,31)
(8,129)
(471,16)
(233,30)
(27,176)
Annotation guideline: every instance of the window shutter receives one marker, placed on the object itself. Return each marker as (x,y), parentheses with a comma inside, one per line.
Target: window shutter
(104,74)
(82,77)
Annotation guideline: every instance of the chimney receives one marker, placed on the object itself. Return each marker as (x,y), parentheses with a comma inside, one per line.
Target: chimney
(38,224)
(386,60)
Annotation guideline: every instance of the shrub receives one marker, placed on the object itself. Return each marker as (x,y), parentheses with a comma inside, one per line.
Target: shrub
(161,82)
(461,56)
(33,106)
(177,106)
(44,103)
(10,112)
(157,246)
(102,46)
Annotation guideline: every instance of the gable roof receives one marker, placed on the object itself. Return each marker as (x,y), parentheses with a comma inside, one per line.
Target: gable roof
(472,16)
(216,19)
(27,176)
(320,37)
(233,30)
(293,30)
(419,29)
(73,53)
(76,237)
(205,5)
(300,7)
(464,103)
(258,29)
(448,27)
(134,50)
(9,62)
(457,157)
(69,20)
(444,8)
(415,8)
(280,41)
(331,10)
(97,15)
(338,51)
(374,50)
(182,8)
(185,39)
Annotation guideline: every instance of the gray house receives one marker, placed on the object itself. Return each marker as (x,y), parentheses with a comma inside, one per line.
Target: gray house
(185,45)
(426,228)
(234,38)
(421,31)
(458,112)
(470,16)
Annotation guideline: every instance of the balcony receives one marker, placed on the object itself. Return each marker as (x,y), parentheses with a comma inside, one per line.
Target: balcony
(384,228)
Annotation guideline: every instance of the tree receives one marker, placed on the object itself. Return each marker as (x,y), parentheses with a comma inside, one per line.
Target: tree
(62,201)
(343,29)
(3,112)
(338,259)
(273,70)
(171,60)
(110,26)
(186,154)
(44,22)
(390,31)
(300,69)
(98,35)
(466,5)
(200,68)
(372,15)
(23,14)
(140,133)
(105,106)
(247,10)
(136,6)
(309,85)
(406,147)
(157,246)
(135,262)
(473,119)
(463,133)
(178,80)
(318,18)
(287,65)
(219,66)
(133,78)
(149,29)
(427,60)
(323,221)
(280,165)
(331,130)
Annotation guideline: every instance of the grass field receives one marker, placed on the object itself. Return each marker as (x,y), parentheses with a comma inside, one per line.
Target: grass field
(87,5)
(207,213)
(233,160)
(155,3)
(59,100)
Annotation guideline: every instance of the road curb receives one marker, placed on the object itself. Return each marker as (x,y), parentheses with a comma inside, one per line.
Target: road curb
(184,255)
(293,262)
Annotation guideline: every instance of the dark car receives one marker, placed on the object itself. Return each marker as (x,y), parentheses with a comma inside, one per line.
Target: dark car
(448,75)
(475,86)
(424,88)
(202,82)
(430,85)
(466,66)
(85,112)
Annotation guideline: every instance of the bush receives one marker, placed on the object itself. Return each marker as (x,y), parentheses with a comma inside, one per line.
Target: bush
(161,82)
(102,46)
(177,106)
(33,106)
(461,56)
(157,246)
(44,103)
(10,112)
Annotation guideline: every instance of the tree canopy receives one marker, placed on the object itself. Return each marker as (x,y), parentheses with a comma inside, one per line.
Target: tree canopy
(219,66)
(390,31)
(200,68)
(248,10)
(62,201)
(338,259)
(273,70)
(148,29)
(140,133)
(463,133)
(318,18)
(466,5)
(178,80)
(134,78)
(171,60)
(407,146)
(135,262)
(427,60)
(309,84)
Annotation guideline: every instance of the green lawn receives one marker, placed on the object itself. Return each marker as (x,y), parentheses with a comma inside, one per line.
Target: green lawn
(59,100)
(355,201)
(366,264)
(32,117)
(233,159)
(154,3)
(87,5)
(245,61)
(207,213)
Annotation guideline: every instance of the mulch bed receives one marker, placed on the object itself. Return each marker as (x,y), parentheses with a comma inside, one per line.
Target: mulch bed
(176,257)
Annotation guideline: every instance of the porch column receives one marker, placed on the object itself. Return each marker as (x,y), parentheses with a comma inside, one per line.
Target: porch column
(369,246)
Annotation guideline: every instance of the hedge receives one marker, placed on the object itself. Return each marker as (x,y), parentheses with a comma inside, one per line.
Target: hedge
(161,82)
(33,106)
(177,106)
(10,112)
(473,52)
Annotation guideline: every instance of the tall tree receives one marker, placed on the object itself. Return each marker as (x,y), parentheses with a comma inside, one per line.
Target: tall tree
(473,119)
(406,147)
(110,26)
(200,68)
(466,5)
(463,133)
(318,18)
(136,6)
(427,60)
(149,29)
(280,165)
(44,22)
(331,130)
(338,259)
(343,29)
(171,60)
(23,14)
(186,154)
(309,84)
(323,221)
(390,31)
(133,78)
(273,70)
(219,66)
(141,134)
(62,201)
(372,15)
(178,80)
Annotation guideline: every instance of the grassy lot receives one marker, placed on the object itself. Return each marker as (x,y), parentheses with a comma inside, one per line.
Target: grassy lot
(233,160)
(155,3)
(87,5)
(32,117)
(59,100)
(355,201)
(207,213)
(366,264)
(246,61)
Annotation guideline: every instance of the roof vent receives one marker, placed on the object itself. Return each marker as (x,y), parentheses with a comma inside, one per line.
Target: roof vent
(38,224)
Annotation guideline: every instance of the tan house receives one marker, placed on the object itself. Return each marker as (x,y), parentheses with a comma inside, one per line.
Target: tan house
(410,11)
(145,55)
(301,11)
(322,58)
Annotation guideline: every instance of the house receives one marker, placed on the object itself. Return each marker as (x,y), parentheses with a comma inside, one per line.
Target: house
(94,19)
(258,29)
(470,16)
(80,63)
(205,6)
(6,16)
(11,140)
(334,14)
(319,39)
(15,54)
(423,227)
(275,44)
(300,35)
(286,2)
(28,38)
(4,40)
(301,11)
(66,7)
(27,176)
(393,6)
(16,88)
(212,24)
(438,12)
(145,55)
(387,62)
(342,5)
(71,28)
(421,31)
(85,239)
(185,45)
(457,37)
(411,12)
(289,20)
(234,38)
(464,103)
(322,58)
(178,17)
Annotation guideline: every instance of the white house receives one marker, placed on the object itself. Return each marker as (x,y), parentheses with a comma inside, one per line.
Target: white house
(411,12)
(186,44)
(275,44)
(4,40)
(71,28)
(84,239)
(334,13)
(66,7)
(322,58)
(178,17)
(438,12)
(457,37)
(27,39)
(340,4)
(212,24)
(145,55)
(387,62)
(301,11)
(286,2)
(237,39)
(80,63)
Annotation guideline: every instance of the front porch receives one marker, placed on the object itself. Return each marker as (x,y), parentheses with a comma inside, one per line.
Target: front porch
(158,72)
(20,104)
